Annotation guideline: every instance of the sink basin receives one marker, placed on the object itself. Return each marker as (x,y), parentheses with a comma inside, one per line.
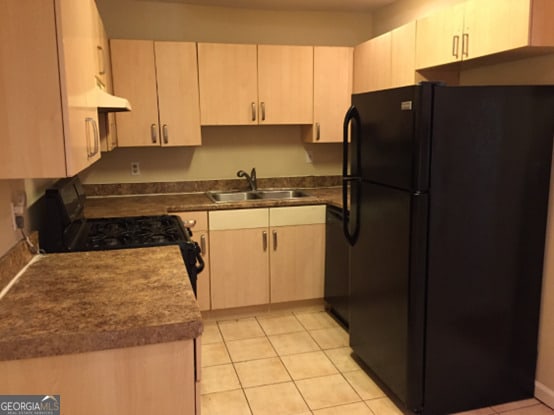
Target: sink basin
(281,194)
(232,196)
(219,197)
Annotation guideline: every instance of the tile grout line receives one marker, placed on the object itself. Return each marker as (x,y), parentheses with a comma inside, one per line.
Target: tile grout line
(235,370)
(290,374)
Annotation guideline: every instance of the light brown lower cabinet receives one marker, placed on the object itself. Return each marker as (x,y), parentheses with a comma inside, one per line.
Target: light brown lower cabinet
(261,256)
(297,262)
(143,380)
(239,257)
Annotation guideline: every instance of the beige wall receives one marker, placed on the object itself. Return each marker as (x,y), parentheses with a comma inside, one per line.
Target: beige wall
(139,19)
(275,151)
(8,192)
(404,11)
(545,368)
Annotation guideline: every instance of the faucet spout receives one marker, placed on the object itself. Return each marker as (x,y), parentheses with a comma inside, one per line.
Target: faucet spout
(250,178)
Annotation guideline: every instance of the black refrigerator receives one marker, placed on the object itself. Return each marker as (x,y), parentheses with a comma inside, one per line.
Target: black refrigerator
(448,196)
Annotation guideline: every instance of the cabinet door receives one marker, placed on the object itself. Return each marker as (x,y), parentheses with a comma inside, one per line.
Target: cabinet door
(403,55)
(134,77)
(228,84)
(372,64)
(332,91)
(439,37)
(177,80)
(285,84)
(29,57)
(77,53)
(494,26)
(239,267)
(106,121)
(297,262)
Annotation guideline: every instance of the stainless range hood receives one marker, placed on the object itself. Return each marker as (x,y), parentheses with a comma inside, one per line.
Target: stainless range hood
(110,103)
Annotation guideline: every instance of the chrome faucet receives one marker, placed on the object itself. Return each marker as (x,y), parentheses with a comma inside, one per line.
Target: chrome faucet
(251,179)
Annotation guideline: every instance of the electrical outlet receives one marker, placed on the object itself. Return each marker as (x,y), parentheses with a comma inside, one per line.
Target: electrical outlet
(309,156)
(135,168)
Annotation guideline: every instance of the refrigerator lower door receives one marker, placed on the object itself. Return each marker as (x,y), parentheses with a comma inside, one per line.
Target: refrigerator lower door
(387,289)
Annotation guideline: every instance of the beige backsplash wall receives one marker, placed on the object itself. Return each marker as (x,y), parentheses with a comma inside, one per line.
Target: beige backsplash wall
(275,151)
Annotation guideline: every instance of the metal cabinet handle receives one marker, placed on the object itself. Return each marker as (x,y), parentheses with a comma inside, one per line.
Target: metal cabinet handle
(465,44)
(455,45)
(264,240)
(87,137)
(274,240)
(165,133)
(317,131)
(92,147)
(203,244)
(96,137)
(154,133)
(102,65)
(262,104)
(253,111)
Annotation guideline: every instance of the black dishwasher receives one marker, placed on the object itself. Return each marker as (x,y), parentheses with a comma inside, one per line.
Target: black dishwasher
(337,269)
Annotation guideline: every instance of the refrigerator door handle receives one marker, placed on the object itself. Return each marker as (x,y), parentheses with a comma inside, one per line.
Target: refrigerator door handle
(352,115)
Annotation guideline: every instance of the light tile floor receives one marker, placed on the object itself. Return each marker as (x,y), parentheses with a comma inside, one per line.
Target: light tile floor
(296,362)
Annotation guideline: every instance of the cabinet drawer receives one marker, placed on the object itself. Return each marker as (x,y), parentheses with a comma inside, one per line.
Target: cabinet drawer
(239,219)
(298,215)
(201,218)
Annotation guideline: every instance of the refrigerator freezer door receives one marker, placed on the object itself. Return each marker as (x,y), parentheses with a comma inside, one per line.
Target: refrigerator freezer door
(394,141)
(387,305)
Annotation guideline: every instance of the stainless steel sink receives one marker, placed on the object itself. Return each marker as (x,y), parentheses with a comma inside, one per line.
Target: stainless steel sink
(281,194)
(232,196)
(220,197)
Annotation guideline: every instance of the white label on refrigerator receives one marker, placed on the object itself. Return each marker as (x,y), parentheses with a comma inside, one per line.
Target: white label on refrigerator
(406,105)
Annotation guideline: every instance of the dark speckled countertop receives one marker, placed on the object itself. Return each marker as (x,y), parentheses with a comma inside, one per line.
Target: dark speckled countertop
(87,301)
(138,205)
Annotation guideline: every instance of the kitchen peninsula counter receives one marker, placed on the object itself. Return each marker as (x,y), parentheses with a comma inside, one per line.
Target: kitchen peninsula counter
(89,301)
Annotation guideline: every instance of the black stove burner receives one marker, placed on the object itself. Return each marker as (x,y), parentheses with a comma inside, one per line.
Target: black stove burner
(134,232)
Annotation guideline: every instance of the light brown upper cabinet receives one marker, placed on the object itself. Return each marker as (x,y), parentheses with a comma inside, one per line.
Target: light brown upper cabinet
(286,84)
(332,92)
(403,55)
(386,61)
(47,104)
(372,64)
(228,77)
(477,28)
(106,121)
(249,84)
(161,81)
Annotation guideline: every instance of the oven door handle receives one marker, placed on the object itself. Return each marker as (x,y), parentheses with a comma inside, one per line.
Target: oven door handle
(199,259)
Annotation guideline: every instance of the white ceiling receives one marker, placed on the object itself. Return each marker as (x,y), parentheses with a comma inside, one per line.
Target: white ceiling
(292,5)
